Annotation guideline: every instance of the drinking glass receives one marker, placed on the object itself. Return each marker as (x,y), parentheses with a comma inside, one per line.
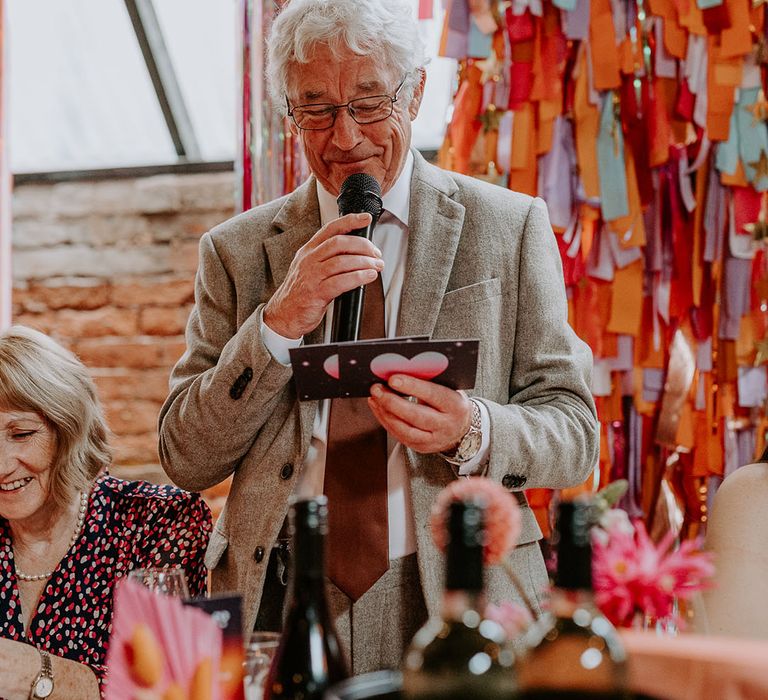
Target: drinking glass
(259,651)
(170,581)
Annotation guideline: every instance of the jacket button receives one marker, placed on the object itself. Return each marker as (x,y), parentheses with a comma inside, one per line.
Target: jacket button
(258,555)
(513,481)
(287,471)
(237,389)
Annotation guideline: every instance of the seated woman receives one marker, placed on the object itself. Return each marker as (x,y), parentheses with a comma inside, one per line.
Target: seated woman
(68,530)
(737,533)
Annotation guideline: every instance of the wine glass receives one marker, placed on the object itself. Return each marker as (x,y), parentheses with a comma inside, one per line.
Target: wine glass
(259,652)
(170,580)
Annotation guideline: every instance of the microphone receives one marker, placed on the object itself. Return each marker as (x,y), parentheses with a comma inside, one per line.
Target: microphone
(360,193)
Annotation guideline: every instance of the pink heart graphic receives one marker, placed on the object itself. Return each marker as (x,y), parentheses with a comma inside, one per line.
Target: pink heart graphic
(425,365)
(331,365)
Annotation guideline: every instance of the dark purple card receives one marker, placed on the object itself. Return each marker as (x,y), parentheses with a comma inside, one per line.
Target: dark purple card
(316,367)
(350,369)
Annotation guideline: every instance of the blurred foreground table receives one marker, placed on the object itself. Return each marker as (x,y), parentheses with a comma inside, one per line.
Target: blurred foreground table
(697,667)
(685,667)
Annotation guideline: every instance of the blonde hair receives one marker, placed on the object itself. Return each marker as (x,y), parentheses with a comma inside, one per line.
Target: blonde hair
(39,375)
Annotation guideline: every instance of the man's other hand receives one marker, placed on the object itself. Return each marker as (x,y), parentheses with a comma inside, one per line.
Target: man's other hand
(434,423)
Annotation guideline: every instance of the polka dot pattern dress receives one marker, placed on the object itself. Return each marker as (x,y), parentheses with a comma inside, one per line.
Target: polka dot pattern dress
(129,525)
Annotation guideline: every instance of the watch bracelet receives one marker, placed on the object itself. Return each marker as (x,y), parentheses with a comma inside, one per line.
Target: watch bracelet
(475,425)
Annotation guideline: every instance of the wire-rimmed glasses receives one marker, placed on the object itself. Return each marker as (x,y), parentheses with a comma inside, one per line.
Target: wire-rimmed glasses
(364,110)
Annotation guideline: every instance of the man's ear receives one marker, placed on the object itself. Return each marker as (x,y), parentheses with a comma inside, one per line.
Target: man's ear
(418,93)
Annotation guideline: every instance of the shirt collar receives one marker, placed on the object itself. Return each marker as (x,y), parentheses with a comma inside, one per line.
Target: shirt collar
(397,201)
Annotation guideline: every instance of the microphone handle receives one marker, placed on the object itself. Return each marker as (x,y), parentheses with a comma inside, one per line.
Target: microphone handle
(348,307)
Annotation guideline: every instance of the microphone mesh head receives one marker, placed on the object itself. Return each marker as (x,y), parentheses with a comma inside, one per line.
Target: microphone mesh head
(360,193)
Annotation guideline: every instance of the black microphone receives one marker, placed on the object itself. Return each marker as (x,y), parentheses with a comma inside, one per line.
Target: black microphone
(360,193)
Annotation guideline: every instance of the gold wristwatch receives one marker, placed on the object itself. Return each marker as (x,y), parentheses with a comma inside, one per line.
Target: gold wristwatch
(470,443)
(42,686)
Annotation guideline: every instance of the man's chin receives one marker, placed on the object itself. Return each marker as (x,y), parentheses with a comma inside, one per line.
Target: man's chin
(341,171)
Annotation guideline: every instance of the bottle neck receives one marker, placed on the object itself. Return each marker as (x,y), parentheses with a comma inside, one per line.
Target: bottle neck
(464,567)
(308,557)
(574,548)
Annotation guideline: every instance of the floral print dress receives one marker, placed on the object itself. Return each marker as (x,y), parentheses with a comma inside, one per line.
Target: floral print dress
(128,525)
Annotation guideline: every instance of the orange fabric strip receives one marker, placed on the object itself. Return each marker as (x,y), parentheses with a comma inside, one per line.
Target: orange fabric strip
(627,301)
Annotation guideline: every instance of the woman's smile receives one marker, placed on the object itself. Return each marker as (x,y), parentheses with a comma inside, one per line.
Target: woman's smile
(17,485)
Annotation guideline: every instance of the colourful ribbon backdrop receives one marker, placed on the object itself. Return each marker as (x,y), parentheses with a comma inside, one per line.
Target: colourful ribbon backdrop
(643,126)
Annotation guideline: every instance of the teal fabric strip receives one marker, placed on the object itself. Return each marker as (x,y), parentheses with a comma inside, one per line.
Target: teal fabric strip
(704,4)
(753,137)
(567,5)
(727,158)
(610,163)
(479,44)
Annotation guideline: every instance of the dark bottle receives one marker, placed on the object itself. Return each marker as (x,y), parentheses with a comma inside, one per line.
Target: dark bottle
(309,658)
(461,654)
(575,652)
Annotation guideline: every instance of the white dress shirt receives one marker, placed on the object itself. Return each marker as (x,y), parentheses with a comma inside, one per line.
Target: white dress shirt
(391,237)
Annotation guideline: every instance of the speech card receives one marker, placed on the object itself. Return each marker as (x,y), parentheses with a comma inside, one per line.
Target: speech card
(349,370)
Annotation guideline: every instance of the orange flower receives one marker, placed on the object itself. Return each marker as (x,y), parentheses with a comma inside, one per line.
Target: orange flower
(502,515)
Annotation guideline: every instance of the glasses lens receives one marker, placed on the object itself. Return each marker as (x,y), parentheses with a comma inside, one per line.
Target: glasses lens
(370,109)
(314,116)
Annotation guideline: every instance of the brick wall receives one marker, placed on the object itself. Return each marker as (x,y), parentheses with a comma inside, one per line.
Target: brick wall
(107,269)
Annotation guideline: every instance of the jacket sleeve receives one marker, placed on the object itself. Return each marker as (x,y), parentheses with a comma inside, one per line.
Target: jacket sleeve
(223,388)
(547,435)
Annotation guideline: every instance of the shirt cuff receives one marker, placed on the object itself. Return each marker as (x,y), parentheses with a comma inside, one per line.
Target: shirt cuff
(277,344)
(477,464)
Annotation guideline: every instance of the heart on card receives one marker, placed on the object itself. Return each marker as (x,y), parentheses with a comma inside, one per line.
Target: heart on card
(425,365)
(331,365)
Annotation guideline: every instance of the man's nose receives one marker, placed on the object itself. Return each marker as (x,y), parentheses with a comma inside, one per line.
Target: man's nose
(346,131)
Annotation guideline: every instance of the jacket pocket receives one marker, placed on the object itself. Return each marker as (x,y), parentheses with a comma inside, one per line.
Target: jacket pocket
(472,293)
(217,545)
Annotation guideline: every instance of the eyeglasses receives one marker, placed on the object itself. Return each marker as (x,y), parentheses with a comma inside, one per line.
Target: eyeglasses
(364,110)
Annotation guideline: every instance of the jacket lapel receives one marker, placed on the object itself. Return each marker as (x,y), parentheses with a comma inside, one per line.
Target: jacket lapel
(434,228)
(296,222)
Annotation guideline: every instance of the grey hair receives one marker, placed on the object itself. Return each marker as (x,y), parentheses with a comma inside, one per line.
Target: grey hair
(40,376)
(384,28)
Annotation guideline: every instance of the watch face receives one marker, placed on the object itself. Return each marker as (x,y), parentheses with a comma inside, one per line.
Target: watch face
(470,445)
(43,687)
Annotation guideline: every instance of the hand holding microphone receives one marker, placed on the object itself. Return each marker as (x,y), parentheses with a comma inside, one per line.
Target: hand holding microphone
(359,193)
(324,268)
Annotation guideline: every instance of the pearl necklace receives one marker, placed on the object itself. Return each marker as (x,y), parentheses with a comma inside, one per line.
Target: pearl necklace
(21,576)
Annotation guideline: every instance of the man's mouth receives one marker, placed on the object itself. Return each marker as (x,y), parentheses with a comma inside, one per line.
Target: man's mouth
(15,485)
(349,160)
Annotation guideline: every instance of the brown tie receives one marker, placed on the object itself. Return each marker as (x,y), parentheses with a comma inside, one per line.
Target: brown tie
(356,478)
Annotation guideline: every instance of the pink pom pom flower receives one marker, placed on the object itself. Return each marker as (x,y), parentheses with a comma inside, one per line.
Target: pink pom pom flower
(502,515)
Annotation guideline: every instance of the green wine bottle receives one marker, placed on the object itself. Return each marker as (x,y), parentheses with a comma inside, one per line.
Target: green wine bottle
(575,652)
(308,659)
(461,654)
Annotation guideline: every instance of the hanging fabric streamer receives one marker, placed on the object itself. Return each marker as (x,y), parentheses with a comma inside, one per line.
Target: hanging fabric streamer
(269,161)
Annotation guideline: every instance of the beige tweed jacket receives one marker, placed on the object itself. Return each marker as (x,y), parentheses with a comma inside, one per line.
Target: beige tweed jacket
(482,262)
